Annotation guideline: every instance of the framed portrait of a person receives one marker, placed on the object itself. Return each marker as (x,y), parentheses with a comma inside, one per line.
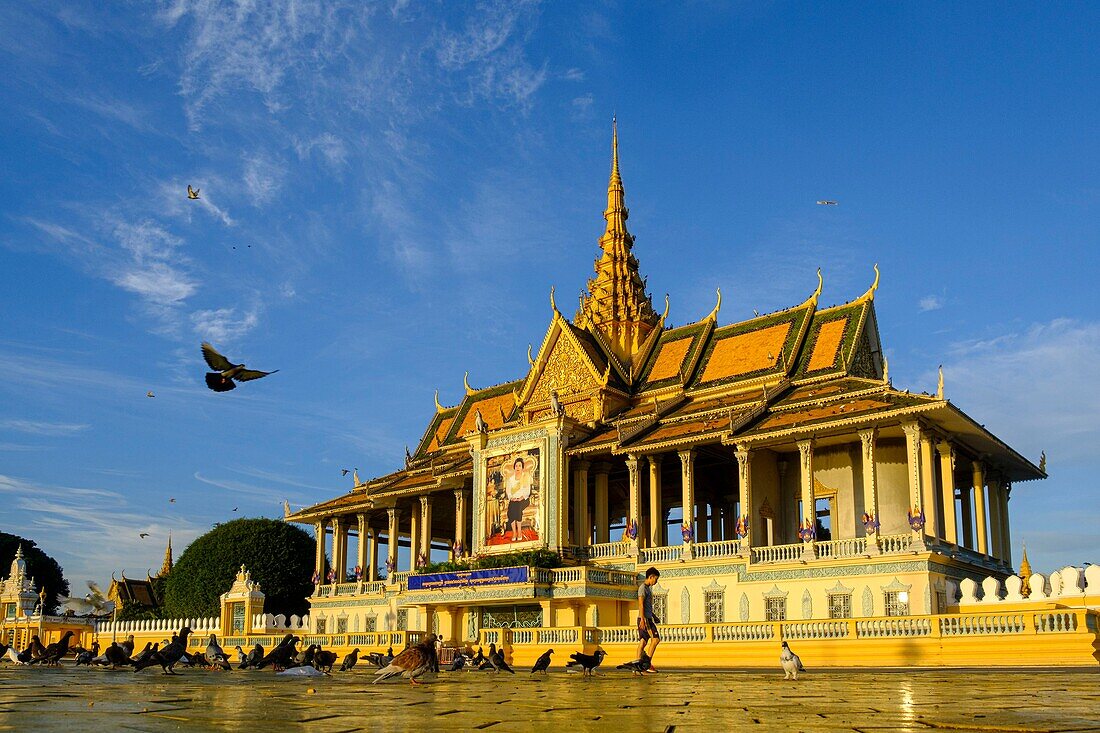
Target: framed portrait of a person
(512,500)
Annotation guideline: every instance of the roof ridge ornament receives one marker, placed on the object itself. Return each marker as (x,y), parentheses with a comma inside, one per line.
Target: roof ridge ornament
(713,316)
(553,304)
(870,294)
(438,407)
(939,385)
(665,314)
(530,359)
(820,285)
(466,383)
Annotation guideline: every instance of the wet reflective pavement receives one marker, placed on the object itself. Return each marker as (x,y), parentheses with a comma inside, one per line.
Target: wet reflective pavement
(957,700)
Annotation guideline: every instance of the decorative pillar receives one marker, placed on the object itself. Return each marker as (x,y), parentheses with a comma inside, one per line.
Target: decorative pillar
(870,489)
(933,520)
(361,547)
(809,502)
(996,525)
(687,497)
(603,533)
(392,541)
(425,528)
(978,471)
(635,506)
(319,557)
(657,527)
(414,537)
(460,522)
(947,477)
(582,532)
(339,565)
(1006,496)
(744,476)
(916,496)
(702,527)
(965,499)
(372,568)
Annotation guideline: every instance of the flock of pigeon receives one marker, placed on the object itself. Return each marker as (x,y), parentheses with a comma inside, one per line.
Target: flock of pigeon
(313,661)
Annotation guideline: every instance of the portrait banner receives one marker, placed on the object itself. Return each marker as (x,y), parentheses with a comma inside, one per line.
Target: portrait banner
(512,500)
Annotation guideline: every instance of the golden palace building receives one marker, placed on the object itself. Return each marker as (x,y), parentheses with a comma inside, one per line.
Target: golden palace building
(783,486)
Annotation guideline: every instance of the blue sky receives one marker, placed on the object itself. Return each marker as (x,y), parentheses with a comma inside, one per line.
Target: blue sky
(403,182)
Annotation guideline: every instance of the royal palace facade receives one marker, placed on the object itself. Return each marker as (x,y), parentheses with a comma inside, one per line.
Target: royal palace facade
(768,468)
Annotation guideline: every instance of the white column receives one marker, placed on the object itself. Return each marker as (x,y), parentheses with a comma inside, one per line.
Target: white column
(913,471)
(361,546)
(581,526)
(657,526)
(978,475)
(635,504)
(394,515)
(460,520)
(603,532)
(687,494)
(414,537)
(319,557)
(809,502)
(744,475)
(426,527)
(870,484)
(947,478)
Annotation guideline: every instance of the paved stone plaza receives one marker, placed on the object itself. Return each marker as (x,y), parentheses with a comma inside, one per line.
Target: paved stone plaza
(98,700)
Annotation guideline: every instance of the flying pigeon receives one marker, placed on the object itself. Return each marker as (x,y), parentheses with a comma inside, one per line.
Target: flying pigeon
(349,661)
(192,193)
(790,662)
(221,380)
(826,203)
(344,471)
(543,662)
(150,394)
(587,662)
(143,535)
(171,501)
(411,663)
(638,666)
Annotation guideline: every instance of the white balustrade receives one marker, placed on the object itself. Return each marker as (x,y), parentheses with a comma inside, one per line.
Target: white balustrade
(721,548)
(554,636)
(851,547)
(815,630)
(654,555)
(608,549)
(778,553)
(893,627)
(895,543)
(744,632)
(683,633)
(1055,622)
(981,625)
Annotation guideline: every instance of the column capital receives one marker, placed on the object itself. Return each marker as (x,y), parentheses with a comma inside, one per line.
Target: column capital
(426,500)
(945,448)
(460,495)
(601,467)
(806,451)
(687,456)
(744,458)
(580,464)
(868,435)
(392,512)
(911,429)
(655,459)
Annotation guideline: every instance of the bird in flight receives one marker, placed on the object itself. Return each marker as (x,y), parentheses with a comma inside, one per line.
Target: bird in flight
(192,193)
(221,380)
(171,501)
(234,508)
(344,472)
(826,203)
(143,535)
(150,394)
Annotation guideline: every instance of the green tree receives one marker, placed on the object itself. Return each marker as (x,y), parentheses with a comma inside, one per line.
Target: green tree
(279,556)
(40,566)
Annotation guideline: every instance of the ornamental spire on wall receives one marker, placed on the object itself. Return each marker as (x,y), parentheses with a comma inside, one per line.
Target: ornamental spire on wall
(616,304)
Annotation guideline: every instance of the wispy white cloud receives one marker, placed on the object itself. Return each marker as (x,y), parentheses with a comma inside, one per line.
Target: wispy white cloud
(333,150)
(1033,387)
(930,303)
(36,427)
(224,324)
(242,488)
(263,177)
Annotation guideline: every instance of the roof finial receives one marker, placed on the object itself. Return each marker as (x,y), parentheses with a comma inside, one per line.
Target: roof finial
(939,385)
(438,407)
(717,307)
(1025,574)
(553,304)
(530,359)
(885,371)
(820,285)
(166,566)
(665,314)
(466,382)
(870,294)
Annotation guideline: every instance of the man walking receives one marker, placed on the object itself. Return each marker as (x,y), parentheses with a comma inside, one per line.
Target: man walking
(647,619)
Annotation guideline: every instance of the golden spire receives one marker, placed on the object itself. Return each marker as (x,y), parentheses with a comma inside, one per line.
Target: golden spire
(616,303)
(1025,575)
(166,567)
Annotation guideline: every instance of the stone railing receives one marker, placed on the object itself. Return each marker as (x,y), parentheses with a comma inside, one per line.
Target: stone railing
(656,555)
(894,627)
(892,543)
(851,547)
(376,587)
(777,553)
(815,629)
(159,625)
(400,578)
(1070,585)
(608,550)
(279,622)
(982,625)
(711,550)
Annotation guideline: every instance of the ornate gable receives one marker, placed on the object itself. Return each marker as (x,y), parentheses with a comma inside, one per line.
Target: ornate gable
(568,371)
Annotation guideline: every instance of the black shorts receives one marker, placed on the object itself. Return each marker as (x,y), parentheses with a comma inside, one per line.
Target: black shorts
(648,630)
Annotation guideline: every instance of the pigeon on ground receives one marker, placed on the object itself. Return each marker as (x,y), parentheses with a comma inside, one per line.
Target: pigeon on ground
(282,656)
(33,651)
(215,655)
(169,656)
(498,662)
(242,657)
(146,652)
(479,660)
(115,657)
(324,659)
(349,660)
(252,658)
(458,663)
(3,649)
(486,663)
(51,656)
(388,656)
(192,193)
(85,656)
(412,662)
(128,646)
(542,663)
(305,657)
(638,666)
(790,662)
(225,371)
(13,656)
(587,662)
